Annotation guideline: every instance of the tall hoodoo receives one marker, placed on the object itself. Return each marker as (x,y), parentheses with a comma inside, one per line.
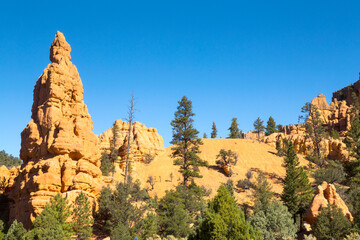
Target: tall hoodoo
(58,147)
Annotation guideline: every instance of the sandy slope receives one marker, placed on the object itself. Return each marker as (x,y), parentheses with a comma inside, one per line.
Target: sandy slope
(252,155)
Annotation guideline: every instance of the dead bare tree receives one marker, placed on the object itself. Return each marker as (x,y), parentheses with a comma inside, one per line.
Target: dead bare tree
(130,121)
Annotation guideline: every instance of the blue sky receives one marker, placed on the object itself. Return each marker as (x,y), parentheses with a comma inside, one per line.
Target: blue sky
(239,59)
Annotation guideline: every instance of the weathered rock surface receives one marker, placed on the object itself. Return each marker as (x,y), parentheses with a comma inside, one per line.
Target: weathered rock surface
(326,194)
(59,150)
(145,142)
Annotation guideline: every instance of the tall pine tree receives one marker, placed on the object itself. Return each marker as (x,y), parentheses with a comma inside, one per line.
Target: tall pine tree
(82,217)
(270,126)
(297,192)
(214,131)
(186,142)
(259,126)
(234,129)
(315,131)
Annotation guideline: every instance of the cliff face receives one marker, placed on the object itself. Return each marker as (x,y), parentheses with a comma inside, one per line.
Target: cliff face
(59,150)
(145,142)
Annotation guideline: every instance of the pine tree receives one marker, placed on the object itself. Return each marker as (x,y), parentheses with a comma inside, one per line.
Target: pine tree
(124,211)
(315,131)
(214,131)
(331,224)
(234,129)
(186,142)
(204,135)
(52,221)
(82,218)
(259,126)
(106,164)
(16,232)
(224,220)
(271,126)
(262,192)
(297,192)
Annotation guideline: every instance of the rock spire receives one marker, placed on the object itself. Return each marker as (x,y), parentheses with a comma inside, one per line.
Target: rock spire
(58,147)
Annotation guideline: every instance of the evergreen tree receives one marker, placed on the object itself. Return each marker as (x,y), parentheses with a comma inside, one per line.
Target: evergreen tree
(82,218)
(224,220)
(353,144)
(275,222)
(16,232)
(297,192)
(214,131)
(270,126)
(124,212)
(234,129)
(259,126)
(186,142)
(315,131)
(279,127)
(205,135)
(331,224)
(8,160)
(106,165)
(113,141)
(51,223)
(174,219)
(262,192)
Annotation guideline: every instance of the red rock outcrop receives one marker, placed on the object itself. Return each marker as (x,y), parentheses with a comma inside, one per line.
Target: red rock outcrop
(145,142)
(59,150)
(326,194)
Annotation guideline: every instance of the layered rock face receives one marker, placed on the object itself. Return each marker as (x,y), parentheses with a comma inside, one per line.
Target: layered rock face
(326,194)
(145,142)
(59,150)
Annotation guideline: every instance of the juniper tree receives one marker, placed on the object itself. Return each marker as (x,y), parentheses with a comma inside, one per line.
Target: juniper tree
(226,158)
(274,222)
(234,129)
(186,142)
(82,218)
(297,192)
(270,126)
(214,131)
(259,126)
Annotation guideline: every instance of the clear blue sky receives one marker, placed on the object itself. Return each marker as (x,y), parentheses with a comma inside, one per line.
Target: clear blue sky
(239,59)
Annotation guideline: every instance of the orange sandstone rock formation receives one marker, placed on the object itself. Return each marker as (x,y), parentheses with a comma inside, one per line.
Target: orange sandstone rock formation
(144,142)
(326,194)
(58,147)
